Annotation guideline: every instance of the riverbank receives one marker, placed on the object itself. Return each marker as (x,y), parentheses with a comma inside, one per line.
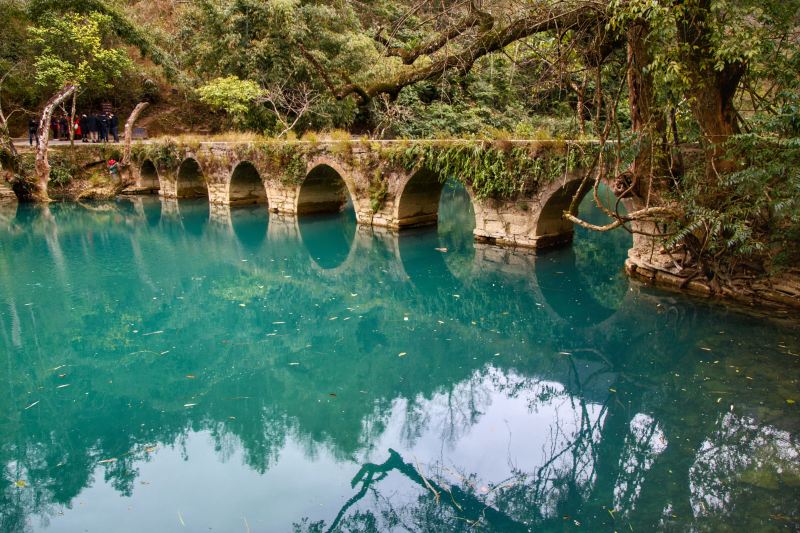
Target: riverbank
(778,293)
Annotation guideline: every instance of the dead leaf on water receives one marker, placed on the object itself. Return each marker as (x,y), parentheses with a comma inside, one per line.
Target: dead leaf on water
(21,484)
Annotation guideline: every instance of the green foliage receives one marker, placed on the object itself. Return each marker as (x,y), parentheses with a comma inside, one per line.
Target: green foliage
(233,95)
(72,50)
(164,155)
(495,170)
(258,41)
(747,218)
(63,169)
(378,191)
(287,161)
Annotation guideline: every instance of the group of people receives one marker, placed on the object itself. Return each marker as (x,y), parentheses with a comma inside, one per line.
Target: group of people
(89,128)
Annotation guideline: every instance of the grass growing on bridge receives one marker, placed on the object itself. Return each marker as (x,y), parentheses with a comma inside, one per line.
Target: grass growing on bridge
(503,169)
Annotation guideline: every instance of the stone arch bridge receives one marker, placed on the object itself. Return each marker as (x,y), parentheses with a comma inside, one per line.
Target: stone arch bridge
(385,187)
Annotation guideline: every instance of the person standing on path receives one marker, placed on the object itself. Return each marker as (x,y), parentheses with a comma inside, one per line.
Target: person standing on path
(63,128)
(104,128)
(91,127)
(33,128)
(113,124)
(83,123)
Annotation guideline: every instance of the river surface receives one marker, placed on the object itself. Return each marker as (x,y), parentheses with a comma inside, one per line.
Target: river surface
(169,367)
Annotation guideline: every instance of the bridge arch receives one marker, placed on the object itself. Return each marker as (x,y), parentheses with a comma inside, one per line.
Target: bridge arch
(245,186)
(148,176)
(552,229)
(190,181)
(418,201)
(326,188)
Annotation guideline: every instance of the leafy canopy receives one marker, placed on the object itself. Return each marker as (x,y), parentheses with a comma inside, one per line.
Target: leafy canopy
(231,94)
(72,49)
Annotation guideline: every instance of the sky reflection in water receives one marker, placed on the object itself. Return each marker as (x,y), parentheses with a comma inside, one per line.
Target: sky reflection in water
(173,367)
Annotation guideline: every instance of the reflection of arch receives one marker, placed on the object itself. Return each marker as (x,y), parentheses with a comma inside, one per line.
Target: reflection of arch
(194,215)
(418,202)
(190,216)
(152,211)
(148,176)
(565,292)
(423,263)
(584,284)
(328,237)
(324,190)
(245,186)
(250,226)
(191,182)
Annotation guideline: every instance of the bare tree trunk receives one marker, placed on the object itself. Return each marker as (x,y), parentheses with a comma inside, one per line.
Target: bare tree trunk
(126,154)
(6,142)
(72,120)
(42,165)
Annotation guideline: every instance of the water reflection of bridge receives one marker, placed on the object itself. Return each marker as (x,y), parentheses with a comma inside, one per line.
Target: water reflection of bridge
(337,249)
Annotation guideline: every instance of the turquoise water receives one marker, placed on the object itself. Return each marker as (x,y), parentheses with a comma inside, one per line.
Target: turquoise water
(167,367)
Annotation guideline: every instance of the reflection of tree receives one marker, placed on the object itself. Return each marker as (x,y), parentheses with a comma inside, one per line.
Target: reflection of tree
(441,507)
(625,441)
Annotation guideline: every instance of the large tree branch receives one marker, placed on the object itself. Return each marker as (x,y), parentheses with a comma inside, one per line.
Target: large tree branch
(571,16)
(476,17)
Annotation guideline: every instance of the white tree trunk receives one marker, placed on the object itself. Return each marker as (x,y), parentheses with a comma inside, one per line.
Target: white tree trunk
(126,154)
(42,164)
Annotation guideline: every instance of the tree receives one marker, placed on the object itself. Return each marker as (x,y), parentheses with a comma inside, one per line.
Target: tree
(72,52)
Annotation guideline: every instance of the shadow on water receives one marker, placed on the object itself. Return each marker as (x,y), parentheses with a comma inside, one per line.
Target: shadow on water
(250,225)
(328,237)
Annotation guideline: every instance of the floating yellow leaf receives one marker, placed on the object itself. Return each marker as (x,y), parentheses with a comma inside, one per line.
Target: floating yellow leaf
(20,484)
